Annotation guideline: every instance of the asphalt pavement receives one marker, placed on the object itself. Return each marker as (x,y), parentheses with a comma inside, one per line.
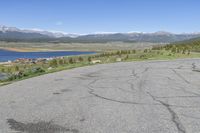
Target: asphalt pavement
(134,97)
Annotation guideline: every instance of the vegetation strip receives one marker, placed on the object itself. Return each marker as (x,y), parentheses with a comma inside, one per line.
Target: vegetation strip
(25,68)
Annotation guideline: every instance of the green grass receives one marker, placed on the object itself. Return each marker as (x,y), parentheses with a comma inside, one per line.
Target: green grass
(57,69)
(139,56)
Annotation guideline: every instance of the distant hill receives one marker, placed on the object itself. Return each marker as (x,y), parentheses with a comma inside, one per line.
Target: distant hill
(16,34)
(158,37)
(181,46)
(193,44)
(19,36)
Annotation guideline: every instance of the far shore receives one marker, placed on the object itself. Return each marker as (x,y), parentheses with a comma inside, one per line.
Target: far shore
(28,49)
(37,49)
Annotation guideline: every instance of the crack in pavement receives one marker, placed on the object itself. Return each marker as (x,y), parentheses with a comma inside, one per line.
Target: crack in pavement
(91,91)
(180,67)
(194,66)
(136,74)
(124,90)
(141,83)
(184,90)
(117,101)
(175,119)
(132,86)
(180,76)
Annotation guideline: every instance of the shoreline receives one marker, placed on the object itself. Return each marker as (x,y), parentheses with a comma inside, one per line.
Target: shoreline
(4,62)
(41,50)
(17,49)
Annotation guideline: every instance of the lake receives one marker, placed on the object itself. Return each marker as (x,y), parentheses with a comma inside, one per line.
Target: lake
(6,55)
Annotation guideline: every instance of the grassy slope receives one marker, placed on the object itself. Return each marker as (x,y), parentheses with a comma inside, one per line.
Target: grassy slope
(139,56)
(192,45)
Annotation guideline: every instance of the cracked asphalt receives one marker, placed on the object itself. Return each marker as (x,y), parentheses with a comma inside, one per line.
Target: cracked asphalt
(135,97)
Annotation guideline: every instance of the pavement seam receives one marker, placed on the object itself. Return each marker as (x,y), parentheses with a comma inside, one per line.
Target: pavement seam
(175,119)
(180,76)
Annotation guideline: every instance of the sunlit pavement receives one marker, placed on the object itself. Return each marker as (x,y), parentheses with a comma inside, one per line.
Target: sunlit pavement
(136,97)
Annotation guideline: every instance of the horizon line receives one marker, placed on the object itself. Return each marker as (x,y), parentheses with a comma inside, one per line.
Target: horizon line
(100,32)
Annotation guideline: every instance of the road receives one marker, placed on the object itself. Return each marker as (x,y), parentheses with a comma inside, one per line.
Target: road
(135,97)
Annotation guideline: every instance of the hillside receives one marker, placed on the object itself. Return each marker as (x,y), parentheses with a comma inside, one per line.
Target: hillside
(192,44)
(182,46)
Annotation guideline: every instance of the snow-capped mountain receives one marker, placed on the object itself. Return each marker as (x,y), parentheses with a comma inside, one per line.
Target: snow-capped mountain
(56,34)
(7,29)
(38,35)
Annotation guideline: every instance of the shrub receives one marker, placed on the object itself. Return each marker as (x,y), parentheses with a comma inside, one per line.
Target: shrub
(80,59)
(71,60)
(146,50)
(60,61)
(16,68)
(89,59)
(37,70)
(53,63)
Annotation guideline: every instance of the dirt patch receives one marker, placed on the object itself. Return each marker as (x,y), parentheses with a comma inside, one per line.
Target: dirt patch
(196,70)
(56,93)
(65,90)
(39,127)
(58,79)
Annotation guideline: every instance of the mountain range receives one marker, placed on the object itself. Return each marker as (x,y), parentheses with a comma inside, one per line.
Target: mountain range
(11,34)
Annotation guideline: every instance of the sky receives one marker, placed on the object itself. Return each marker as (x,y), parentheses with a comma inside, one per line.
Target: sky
(95,16)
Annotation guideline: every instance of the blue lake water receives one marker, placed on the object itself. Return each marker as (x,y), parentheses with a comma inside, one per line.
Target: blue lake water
(6,55)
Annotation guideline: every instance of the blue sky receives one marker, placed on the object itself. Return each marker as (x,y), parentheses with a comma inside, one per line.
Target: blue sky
(90,16)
